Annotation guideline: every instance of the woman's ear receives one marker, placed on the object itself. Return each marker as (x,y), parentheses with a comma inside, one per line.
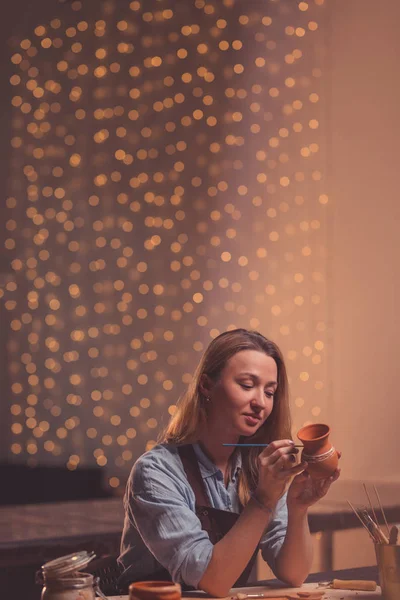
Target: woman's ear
(205,386)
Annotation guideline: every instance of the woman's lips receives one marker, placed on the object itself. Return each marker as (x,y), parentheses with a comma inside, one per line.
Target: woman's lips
(252,421)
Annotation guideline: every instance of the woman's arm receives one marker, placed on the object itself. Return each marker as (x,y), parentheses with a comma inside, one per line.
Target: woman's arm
(293,562)
(231,554)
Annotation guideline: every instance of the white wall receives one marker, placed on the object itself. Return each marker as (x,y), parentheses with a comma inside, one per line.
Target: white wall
(365,240)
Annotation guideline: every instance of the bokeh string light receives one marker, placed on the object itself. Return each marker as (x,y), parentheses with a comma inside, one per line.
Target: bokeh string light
(167,184)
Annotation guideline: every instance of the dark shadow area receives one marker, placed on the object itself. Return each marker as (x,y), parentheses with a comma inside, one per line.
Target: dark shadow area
(33,485)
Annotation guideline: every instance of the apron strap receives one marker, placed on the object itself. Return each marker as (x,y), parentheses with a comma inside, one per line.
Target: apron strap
(216,522)
(192,470)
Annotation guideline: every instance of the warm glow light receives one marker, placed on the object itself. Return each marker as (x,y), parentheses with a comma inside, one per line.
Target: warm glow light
(167,184)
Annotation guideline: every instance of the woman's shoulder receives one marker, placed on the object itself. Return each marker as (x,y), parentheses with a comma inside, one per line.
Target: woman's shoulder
(157,468)
(159,454)
(162,458)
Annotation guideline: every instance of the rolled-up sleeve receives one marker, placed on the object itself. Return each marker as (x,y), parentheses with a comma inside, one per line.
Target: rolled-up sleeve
(158,503)
(274,537)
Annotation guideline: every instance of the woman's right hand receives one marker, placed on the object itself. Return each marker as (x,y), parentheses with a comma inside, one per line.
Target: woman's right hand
(276,466)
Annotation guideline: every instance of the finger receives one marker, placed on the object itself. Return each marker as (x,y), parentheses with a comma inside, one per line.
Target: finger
(325,484)
(283,452)
(286,473)
(283,466)
(300,478)
(291,459)
(334,477)
(273,446)
(324,488)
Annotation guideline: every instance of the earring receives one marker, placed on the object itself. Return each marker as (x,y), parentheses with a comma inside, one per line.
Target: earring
(207,399)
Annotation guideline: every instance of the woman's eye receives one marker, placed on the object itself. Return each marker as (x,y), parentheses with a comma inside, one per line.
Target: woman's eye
(269,394)
(246,386)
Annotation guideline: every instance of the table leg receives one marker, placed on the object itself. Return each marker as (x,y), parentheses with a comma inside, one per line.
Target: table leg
(326,550)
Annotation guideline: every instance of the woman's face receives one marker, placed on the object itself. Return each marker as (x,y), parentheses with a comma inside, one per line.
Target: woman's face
(242,399)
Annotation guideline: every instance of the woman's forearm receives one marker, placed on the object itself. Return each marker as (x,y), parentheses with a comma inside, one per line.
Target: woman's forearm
(233,552)
(293,562)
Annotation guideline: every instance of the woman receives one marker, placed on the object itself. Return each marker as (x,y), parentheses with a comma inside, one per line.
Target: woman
(197,511)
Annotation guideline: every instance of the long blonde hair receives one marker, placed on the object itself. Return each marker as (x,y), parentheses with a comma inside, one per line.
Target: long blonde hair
(190,415)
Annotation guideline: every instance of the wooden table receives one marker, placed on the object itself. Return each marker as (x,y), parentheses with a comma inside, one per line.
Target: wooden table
(34,534)
(281,593)
(39,532)
(274,588)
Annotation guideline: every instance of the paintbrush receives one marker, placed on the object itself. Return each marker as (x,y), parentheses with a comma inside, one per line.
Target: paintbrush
(257,445)
(374,528)
(361,520)
(382,511)
(373,522)
(394,533)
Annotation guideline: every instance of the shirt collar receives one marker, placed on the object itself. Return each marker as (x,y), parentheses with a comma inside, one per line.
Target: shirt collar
(208,468)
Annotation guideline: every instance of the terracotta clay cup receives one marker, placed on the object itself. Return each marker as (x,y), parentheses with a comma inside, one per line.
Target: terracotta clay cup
(318,451)
(155,590)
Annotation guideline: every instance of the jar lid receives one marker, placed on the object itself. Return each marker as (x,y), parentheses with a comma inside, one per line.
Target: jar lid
(67,564)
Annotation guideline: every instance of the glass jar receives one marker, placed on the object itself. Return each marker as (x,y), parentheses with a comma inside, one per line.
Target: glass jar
(63,580)
(80,587)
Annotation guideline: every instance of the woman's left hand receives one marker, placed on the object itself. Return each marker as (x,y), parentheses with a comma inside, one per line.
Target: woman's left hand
(304,491)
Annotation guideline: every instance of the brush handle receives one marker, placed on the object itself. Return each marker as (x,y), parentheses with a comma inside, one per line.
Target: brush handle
(257,445)
(354,584)
(394,533)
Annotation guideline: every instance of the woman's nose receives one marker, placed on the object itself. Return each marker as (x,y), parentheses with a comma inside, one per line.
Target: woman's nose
(258,398)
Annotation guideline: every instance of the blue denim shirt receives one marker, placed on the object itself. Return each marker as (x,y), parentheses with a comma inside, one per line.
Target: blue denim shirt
(161,528)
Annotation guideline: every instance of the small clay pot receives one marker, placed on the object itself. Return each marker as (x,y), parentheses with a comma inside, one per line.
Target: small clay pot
(155,590)
(318,451)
